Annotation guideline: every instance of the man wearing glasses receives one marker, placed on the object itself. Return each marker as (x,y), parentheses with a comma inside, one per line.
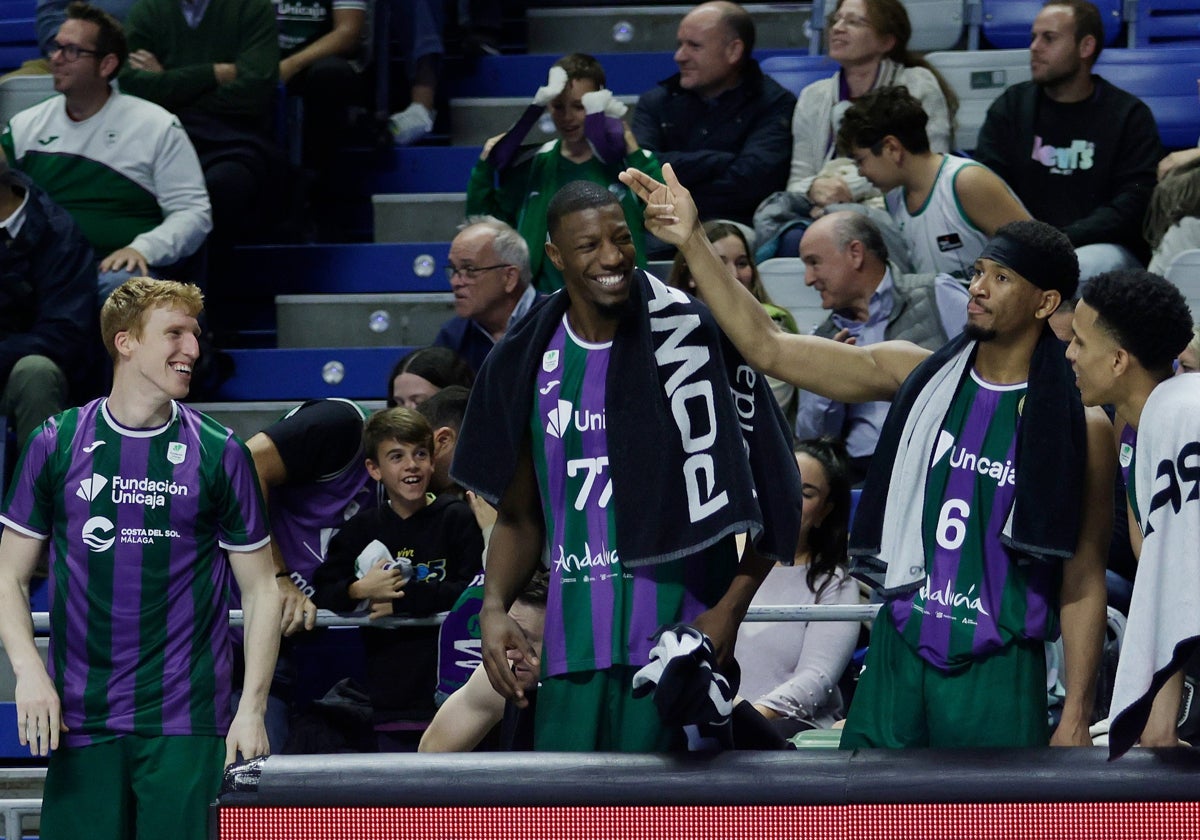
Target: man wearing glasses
(490,277)
(121,166)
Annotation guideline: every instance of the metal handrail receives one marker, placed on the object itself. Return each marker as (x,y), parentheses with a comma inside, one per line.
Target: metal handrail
(14,810)
(327,618)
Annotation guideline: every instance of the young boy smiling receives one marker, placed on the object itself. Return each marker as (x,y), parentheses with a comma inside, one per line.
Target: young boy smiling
(443,547)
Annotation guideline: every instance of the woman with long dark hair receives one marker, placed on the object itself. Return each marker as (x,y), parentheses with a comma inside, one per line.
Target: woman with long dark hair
(420,374)
(790,670)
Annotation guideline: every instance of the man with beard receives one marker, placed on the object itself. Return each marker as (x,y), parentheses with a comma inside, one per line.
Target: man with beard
(1079,152)
(985,514)
(625,441)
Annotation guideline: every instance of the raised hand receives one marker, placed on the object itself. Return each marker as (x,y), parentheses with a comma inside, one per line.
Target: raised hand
(671,214)
(555,82)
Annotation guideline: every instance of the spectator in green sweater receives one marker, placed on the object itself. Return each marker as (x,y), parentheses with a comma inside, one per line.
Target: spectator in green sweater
(216,65)
(515,183)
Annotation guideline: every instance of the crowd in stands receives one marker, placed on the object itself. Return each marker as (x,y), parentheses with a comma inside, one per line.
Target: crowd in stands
(995,354)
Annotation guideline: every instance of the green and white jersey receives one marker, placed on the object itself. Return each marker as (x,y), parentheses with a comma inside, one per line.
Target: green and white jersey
(128,174)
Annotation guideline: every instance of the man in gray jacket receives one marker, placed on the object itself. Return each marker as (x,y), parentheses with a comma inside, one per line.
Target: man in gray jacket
(846,261)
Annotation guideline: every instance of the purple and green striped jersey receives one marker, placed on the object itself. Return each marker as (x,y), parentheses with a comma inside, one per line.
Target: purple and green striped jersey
(138,523)
(305,515)
(598,612)
(976,598)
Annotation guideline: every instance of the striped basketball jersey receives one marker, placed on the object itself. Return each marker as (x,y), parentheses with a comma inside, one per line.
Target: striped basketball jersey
(976,599)
(138,521)
(600,613)
(940,236)
(306,514)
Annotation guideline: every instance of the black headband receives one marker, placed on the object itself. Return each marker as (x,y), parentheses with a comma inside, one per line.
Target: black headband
(1030,263)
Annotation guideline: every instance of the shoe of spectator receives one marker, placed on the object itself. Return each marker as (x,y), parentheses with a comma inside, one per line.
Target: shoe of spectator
(411,124)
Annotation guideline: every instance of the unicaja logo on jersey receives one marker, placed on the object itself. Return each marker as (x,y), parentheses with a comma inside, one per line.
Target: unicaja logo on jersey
(563,415)
(89,489)
(559,420)
(99,533)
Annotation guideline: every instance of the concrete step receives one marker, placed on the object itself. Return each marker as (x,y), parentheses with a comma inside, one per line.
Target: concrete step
(418,217)
(247,418)
(385,320)
(650,28)
(475,119)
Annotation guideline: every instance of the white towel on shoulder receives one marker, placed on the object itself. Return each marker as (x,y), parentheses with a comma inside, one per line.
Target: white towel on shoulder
(1164,614)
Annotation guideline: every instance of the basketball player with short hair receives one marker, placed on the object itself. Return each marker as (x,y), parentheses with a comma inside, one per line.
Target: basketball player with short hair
(985,517)
(146,507)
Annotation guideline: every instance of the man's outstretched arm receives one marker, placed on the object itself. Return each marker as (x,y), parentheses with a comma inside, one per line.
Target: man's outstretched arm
(833,369)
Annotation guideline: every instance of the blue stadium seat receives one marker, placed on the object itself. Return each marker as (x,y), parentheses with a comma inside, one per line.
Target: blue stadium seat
(407,169)
(521,75)
(18,37)
(795,72)
(1165,22)
(978,77)
(298,374)
(363,268)
(1006,23)
(1165,79)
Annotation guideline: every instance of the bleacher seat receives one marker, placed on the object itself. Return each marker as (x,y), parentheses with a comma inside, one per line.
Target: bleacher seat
(1165,79)
(1165,23)
(936,24)
(978,77)
(783,278)
(18,35)
(21,92)
(299,374)
(1184,272)
(424,169)
(795,72)
(363,268)
(1007,24)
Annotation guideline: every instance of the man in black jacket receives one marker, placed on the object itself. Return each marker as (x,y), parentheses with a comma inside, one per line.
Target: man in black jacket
(1080,153)
(47,305)
(722,124)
